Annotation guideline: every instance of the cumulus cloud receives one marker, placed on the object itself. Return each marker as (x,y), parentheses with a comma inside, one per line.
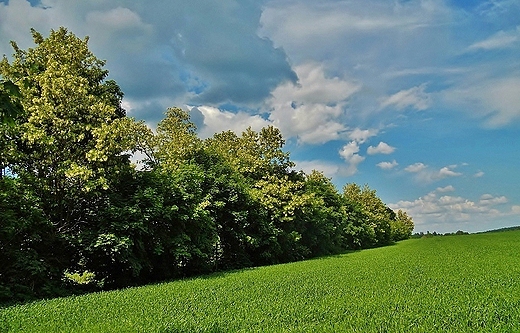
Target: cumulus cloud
(349,153)
(415,98)
(362,135)
(381,148)
(329,169)
(215,120)
(489,200)
(387,165)
(417,167)
(425,175)
(436,210)
(288,22)
(448,188)
(311,110)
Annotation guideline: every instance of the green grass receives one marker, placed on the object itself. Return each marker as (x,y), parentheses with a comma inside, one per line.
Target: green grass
(465,283)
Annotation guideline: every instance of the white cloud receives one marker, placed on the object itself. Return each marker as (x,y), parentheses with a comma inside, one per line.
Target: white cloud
(447,172)
(478,174)
(415,98)
(289,23)
(387,165)
(448,188)
(448,213)
(329,169)
(313,109)
(501,39)
(424,175)
(417,167)
(381,148)
(349,153)
(361,136)
(216,121)
(489,200)
(496,100)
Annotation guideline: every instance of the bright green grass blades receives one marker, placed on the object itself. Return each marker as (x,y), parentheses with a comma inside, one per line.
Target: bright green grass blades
(442,284)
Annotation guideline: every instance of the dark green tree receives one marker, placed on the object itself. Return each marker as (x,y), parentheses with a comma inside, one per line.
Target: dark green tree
(68,139)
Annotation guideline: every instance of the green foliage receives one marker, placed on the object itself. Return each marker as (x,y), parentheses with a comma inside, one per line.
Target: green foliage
(71,131)
(30,248)
(254,155)
(85,277)
(402,226)
(378,216)
(9,108)
(441,284)
(76,213)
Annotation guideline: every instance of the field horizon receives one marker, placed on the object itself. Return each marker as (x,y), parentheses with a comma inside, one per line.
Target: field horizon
(466,283)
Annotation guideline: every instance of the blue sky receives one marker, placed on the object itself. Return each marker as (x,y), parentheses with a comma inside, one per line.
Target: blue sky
(418,99)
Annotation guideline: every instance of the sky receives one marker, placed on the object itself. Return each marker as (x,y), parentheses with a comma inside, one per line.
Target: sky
(419,99)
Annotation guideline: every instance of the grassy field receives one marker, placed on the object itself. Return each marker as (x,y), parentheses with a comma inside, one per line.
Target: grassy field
(467,283)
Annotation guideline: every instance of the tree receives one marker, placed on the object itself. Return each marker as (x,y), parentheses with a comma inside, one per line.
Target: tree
(69,139)
(176,141)
(402,227)
(324,231)
(255,155)
(10,110)
(379,216)
(72,131)
(29,251)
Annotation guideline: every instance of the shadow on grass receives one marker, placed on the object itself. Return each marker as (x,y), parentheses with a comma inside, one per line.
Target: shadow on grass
(208,276)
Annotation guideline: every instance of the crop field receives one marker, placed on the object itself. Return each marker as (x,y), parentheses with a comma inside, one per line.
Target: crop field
(468,283)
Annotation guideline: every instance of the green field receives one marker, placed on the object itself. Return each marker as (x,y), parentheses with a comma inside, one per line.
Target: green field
(467,283)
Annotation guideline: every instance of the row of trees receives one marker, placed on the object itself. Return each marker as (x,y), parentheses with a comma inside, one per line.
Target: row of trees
(76,214)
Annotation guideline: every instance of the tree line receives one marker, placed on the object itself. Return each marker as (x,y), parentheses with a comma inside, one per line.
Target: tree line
(77,215)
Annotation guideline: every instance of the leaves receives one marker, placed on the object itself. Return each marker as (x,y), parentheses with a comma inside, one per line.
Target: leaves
(230,201)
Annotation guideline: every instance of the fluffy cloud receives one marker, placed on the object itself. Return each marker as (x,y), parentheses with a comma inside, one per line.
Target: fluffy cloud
(381,148)
(446,213)
(417,167)
(415,98)
(215,120)
(425,175)
(313,109)
(349,153)
(362,135)
(329,169)
(448,188)
(489,200)
(387,165)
